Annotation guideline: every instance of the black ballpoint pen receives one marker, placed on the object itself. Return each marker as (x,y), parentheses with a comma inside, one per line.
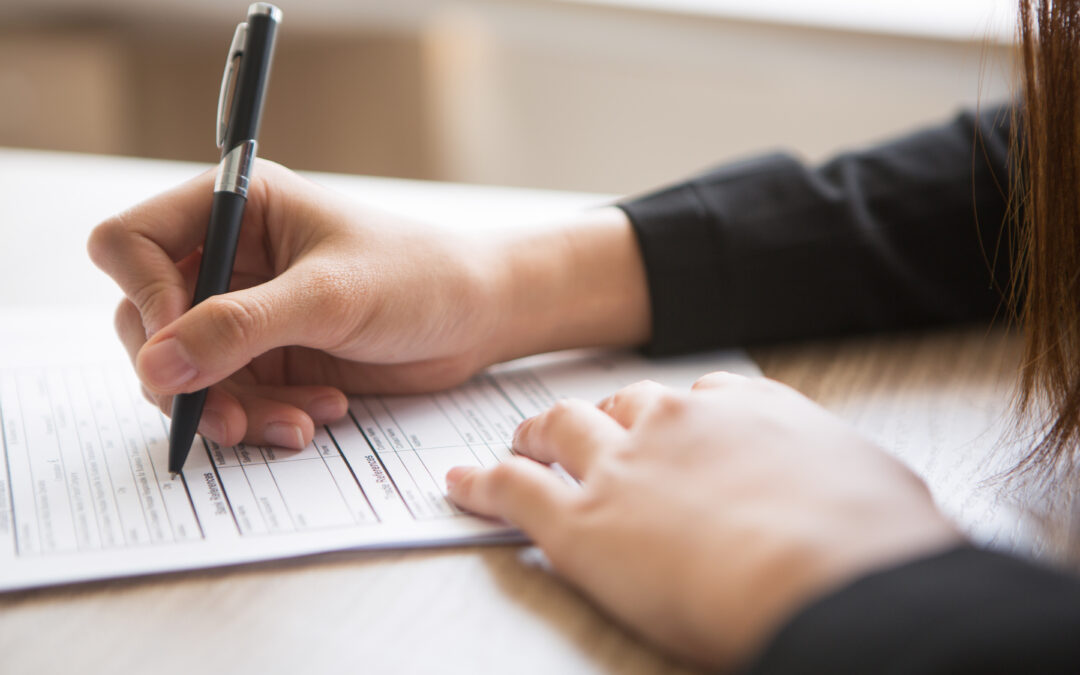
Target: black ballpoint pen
(247,69)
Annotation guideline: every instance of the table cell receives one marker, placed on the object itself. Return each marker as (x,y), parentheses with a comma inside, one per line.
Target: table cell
(273,454)
(350,490)
(18,468)
(405,485)
(215,516)
(422,421)
(527,392)
(224,456)
(269,498)
(499,412)
(78,489)
(432,490)
(474,415)
(98,482)
(311,495)
(369,471)
(394,436)
(245,508)
(143,471)
(56,526)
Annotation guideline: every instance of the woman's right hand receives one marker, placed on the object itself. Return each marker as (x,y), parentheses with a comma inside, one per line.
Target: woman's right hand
(329,297)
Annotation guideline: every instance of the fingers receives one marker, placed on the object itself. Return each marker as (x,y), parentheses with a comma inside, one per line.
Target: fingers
(627,405)
(285,416)
(224,333)
(572,433)
(519,491)
(273,422)
(321,404)
(129,327)
(282,416)
(718,380)
(223,419)
(139,248)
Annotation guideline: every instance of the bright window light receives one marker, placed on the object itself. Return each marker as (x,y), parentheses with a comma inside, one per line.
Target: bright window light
(949,19)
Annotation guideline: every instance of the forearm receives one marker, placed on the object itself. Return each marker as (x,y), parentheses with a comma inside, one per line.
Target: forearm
(577,283)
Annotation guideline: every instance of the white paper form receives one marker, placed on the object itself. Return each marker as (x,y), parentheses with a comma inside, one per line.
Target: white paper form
(85,494)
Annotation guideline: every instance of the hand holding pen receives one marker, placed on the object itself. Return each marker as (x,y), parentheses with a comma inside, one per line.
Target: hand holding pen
(330,296)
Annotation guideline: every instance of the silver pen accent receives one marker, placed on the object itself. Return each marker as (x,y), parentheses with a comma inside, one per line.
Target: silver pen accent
(236,50)
(234,171)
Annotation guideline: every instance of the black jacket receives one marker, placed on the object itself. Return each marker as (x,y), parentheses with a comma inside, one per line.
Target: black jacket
(906,234)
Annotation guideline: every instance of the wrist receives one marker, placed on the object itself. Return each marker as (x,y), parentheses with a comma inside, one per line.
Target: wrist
(579,283)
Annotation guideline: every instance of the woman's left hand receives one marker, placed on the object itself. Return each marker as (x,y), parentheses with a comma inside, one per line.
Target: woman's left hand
(706,518)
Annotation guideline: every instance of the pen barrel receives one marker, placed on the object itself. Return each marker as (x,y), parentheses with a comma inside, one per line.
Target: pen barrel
(219,252)
(215,273)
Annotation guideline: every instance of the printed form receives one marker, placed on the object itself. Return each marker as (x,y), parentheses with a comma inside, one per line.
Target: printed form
(85,493)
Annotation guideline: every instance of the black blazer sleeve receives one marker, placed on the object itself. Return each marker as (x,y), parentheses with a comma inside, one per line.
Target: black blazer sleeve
(905,234)
(962,611)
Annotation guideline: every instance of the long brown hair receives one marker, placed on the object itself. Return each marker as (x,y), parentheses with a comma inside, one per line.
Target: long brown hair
(1048,197)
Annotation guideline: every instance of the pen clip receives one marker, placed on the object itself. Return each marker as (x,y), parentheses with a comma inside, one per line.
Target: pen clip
(236,50)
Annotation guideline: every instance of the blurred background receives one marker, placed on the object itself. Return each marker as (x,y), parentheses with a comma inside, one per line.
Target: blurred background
(600,95)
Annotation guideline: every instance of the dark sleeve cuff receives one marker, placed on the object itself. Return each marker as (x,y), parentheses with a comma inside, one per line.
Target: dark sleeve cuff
(691,256)
(962,611)
(901,235)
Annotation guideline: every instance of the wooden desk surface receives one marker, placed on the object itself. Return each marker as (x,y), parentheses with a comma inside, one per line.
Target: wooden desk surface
(454,610)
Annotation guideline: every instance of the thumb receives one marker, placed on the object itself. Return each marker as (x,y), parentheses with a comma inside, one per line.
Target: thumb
(224,333)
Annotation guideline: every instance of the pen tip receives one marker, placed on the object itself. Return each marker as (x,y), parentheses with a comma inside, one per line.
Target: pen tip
(174,475)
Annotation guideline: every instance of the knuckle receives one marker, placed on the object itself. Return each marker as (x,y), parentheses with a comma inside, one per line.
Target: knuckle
(709,378)
(235,320)
(268,166)
(502,478)
(638,389)
(153,298)
(645,385)
(669,404)
(504,472)
(562,409)
(721,379)
(105,238)
(612,402)
(559,414)
(639,392)
(124,316)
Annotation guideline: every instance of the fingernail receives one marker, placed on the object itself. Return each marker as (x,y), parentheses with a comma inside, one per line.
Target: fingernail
(167,365)
(212,425)
(327,408)
(284,435)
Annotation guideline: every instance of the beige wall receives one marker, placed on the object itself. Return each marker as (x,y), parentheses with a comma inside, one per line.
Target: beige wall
(618,101)
(523,93)
(337,103)
(64,89)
